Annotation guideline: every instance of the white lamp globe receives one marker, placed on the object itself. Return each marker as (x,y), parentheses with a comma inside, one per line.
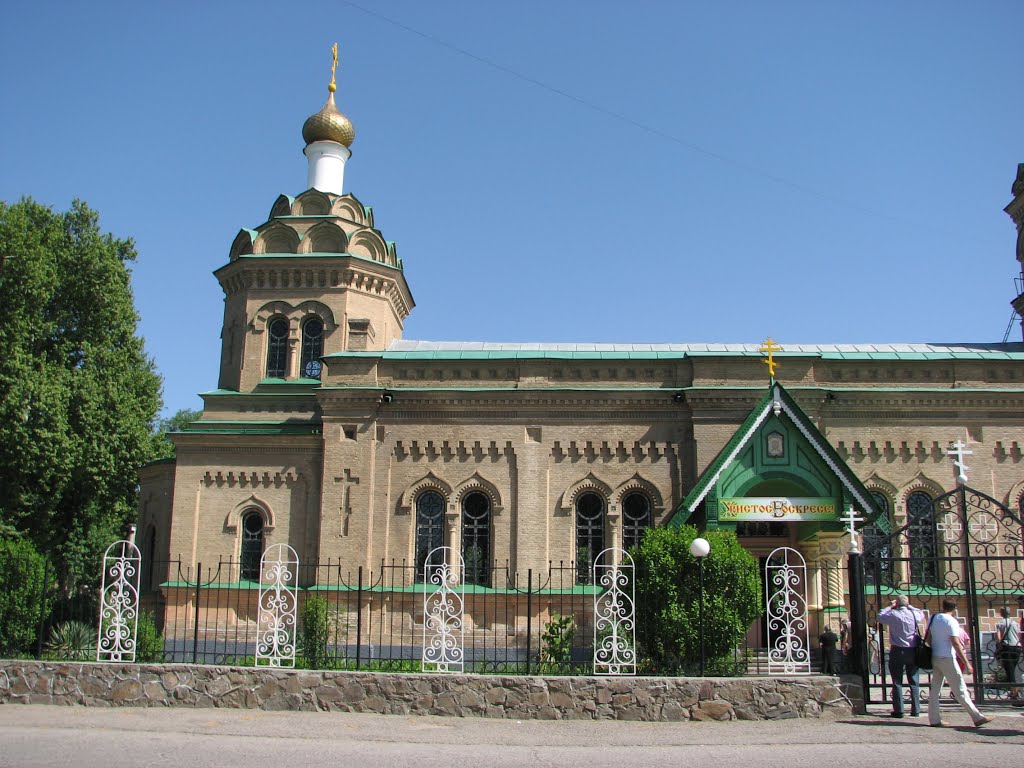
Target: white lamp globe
(700,548)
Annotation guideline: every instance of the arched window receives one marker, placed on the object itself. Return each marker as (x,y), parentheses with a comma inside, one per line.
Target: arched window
(476,538)
(589,535)
(252,545)
(636,518)
(876,545)
(312,348)
(429,529)
(277,348)
(922,539)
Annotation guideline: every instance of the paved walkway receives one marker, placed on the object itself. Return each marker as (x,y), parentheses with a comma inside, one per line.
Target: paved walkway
(36,736)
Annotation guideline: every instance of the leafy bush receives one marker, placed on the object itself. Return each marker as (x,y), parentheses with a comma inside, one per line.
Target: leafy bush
(315,632)
(556,645)
(72,641)
(22,574)
(668,598)
(149,643)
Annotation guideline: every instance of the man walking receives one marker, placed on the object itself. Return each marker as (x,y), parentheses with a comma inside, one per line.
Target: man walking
(902,620)
(1008,651)
(948,659)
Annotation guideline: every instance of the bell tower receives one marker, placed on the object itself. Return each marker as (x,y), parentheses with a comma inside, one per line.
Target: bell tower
(316,278)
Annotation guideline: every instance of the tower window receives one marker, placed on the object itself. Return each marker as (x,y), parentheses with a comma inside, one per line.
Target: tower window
(312,347)
(277,348)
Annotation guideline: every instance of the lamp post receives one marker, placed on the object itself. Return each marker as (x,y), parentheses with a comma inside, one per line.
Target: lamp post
(700,549)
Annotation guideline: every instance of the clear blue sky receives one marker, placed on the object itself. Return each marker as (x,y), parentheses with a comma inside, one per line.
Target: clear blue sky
(551,171)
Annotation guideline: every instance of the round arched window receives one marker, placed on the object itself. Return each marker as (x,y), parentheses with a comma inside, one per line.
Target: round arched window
(429,531)
(589,534)
(252,545)
(476,537)
(312,347)
(636,518)
(277,348)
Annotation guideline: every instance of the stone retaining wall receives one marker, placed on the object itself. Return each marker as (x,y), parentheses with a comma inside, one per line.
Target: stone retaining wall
(553,698)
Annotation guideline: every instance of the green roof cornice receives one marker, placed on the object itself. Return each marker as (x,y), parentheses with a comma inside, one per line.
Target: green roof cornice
(254,427)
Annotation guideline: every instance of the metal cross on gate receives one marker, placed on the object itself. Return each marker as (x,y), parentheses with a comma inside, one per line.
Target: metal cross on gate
(850,520)
(958,450)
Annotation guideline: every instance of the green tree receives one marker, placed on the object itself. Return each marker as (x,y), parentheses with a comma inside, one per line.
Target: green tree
(315,632)
(78,395)
(22,574)
(668,598)
(164,448)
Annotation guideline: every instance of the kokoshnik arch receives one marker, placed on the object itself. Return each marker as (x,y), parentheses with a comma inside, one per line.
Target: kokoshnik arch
(330,432)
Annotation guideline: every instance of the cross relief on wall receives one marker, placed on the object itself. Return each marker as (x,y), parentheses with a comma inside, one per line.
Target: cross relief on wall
(348,479)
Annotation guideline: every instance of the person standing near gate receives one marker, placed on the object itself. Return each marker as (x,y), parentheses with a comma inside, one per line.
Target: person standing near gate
(828,641)
(949,662)
(903,619)
(1008,651)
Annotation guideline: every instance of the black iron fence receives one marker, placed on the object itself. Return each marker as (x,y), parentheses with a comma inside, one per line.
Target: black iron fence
(537,622)
(980,586)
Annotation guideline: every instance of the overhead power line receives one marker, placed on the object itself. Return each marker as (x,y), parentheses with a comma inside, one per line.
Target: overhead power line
(646,127)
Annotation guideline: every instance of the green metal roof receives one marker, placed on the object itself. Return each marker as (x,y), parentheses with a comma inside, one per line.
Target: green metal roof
(253,427)
(458,350)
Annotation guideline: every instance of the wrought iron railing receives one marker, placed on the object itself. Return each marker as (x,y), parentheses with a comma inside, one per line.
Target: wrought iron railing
(537,622)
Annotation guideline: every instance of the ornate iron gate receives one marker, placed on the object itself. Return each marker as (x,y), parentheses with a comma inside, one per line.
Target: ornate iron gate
(444,627)
(789,649)
(964,546)
(278,603)
(614,619)
(119,602)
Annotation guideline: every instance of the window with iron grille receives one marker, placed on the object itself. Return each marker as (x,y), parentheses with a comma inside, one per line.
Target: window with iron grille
(476,538)
(312,348)
(429,530)
(636,518)
(922,539)
(876,547)
(277,348)
(589,535)
(252,546)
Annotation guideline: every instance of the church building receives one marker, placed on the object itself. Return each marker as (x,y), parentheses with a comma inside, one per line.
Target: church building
(331,432)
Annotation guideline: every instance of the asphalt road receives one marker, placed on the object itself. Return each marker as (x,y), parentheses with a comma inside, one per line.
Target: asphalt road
(54,736)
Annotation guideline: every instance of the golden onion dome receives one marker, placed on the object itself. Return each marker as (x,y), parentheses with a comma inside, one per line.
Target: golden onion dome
(329,125)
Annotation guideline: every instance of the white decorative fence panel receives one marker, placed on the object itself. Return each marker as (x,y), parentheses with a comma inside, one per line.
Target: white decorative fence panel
(789,651)
(275,639)
(444,623)
(119,602)
(614,617)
